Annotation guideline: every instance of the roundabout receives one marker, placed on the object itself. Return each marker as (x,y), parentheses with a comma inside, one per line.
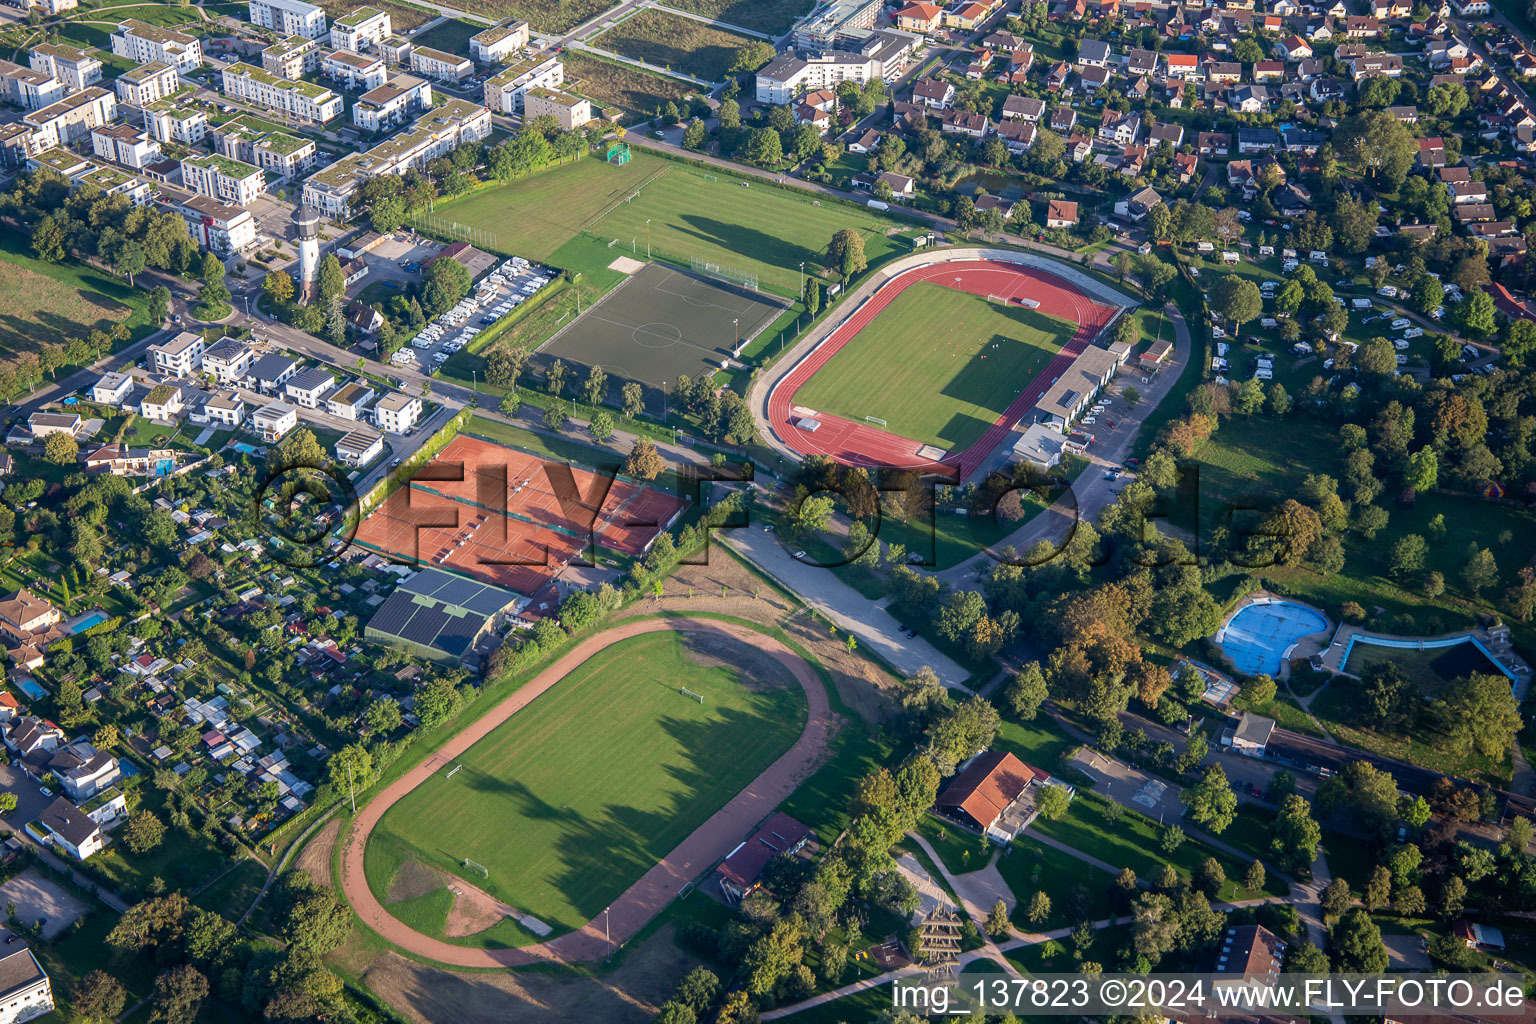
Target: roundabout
(648,895)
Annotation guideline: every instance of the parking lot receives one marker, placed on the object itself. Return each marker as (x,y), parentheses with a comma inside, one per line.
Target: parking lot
(39,900)
(496,296)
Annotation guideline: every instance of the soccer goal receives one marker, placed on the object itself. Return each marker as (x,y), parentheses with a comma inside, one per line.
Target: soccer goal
(453,771)
(477,867)
(876,420)
(690,694)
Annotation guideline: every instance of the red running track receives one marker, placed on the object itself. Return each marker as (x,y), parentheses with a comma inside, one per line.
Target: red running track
(861,444)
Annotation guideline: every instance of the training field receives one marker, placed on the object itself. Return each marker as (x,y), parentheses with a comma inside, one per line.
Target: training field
(658,324)
(581,792)
(757,229)
(938,365)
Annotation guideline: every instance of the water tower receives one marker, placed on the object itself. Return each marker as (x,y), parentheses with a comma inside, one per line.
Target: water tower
(307,223)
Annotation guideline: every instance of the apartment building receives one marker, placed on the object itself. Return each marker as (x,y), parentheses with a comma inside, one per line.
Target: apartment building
(279,154)
(571,111)
(445,67)
(392,104)
(229,181)
(496,44)
(75,68)
(215,226)
(353,70)
(84,171)
(147,84)
(70,119)
(291,58)
(789,75)
(288,17)
(125,144)
(229,361)
(397,412)
(303,100)
(506,90)
(362,31)
(182,356)
(143,43)
(174,119)
(28,88)
(435,133)
(24,989)
(272,422)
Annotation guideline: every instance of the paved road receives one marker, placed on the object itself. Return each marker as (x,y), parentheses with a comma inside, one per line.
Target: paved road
(641,902)
(875,628)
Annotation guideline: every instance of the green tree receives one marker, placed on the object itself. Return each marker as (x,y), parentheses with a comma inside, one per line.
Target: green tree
(331,280)
(97,998)
(383,715)
(178,995)
(997,920)
(1476,314)
(631,399)
(1480,572)
(1211,802)
(601,425)
(278,286)
(143,832)
(61,449)
(1406,556)
(765,147)
(1482,713)
(845,253)
(445,284)
(1294,834)
(1355,945)
(1027,692)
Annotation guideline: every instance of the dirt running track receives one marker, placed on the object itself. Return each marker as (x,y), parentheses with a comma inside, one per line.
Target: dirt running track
(645,899)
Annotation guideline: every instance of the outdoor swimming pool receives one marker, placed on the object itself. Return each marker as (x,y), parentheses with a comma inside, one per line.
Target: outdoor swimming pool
(93,619)
(1259,636)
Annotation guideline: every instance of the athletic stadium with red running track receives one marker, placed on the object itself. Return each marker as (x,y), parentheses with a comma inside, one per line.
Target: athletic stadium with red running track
(863,444)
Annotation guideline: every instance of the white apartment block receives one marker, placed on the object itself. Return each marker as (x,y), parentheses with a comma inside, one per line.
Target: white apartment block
(182,356)
(271,422)
(293,57)
(143,43)
(435,133)
(445,67)
(84,171)
(146,84)
(75,68)
(26,993)
(279,154)
(496,44)
(397,412)
(215,226)
(170,120)
(506,90)
(571,111)
(365,29)
(788,76)
(229,361)
(124,144)
(289,17)
(392,104)
(229,181)
(303,100)
(71,118)
(353,70)
(28,88)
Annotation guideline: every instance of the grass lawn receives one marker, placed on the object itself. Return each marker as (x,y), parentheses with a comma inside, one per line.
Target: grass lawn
(1429,670)
(566,808)
(44,304)
(534,216)
(1133,842)
(634,90)
(770,16)
(693,214)
(1033,867)
(233,893)
(675,43)
(918,365)
(1349,858)
(183,861)
(451,36)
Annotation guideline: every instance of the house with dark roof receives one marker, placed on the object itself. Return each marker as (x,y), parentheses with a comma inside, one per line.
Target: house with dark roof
(71,829)
(25,992)
(739,874)
(1250,954)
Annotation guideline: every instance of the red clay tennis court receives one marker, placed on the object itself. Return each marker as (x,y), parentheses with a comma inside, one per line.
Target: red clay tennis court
(511,518)
(863,444)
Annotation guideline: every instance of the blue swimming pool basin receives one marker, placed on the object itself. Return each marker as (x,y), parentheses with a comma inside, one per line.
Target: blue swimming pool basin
(1260,635)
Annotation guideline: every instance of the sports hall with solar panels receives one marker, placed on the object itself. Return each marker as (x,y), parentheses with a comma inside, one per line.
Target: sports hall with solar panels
(440,616)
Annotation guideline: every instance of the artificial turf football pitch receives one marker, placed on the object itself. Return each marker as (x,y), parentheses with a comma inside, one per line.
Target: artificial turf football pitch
(938,365)
(580,793)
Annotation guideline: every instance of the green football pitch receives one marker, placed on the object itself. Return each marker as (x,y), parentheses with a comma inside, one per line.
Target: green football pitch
(938,365)
(694,215)
(580,793)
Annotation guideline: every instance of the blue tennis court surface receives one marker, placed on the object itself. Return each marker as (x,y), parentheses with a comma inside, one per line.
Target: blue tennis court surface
(1259,636)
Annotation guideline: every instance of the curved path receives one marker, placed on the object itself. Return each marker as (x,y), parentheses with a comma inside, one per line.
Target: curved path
(980,272)
(642,901)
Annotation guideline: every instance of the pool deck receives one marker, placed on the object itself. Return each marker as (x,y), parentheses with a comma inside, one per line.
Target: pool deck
(1496,642)
(1305,647)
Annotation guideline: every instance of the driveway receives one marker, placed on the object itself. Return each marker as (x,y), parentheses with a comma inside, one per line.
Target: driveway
(874,627)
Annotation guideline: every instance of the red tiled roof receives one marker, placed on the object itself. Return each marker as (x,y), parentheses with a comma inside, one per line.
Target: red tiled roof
(993,781)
